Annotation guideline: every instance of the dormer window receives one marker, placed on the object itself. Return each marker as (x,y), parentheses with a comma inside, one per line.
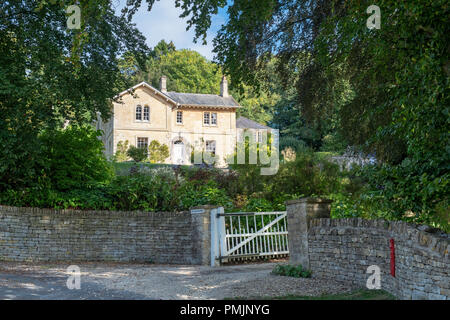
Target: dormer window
(138,113)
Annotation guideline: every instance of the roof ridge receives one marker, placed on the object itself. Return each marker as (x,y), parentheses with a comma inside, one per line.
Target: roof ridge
(205,94)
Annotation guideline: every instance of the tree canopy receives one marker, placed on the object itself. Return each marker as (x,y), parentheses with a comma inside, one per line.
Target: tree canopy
(385,90)
(49,73)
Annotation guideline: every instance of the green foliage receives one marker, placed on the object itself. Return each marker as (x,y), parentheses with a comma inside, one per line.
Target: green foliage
(292,142)
(186,70)
(306,175)
(385,90)
(333,142)
(415,191)
(74,158)
(296,271)
(195,193)
(141,192)
(157,152)
(258,205)
(137,154)
(49,74)
(121,151)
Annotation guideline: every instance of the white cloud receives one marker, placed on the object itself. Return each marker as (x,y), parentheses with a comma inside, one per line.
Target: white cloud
(163,22)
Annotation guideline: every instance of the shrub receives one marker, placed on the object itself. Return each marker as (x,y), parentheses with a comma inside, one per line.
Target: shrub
(333,143)
(157,152)
(291,142)
(141,192)
(75,158)
(288,154)
(121,152)
(258,205)
(137,154)
(195,193)
(306,176)
(296,271)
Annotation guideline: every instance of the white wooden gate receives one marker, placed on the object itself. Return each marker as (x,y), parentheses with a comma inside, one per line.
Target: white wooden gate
(247,235)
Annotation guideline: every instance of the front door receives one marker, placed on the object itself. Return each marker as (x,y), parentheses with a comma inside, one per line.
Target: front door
(178,152)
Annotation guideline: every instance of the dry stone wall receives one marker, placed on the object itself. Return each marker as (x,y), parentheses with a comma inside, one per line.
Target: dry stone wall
(32,234)
(343,249)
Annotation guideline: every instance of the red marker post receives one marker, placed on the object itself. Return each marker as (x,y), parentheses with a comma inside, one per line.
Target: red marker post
(392,246)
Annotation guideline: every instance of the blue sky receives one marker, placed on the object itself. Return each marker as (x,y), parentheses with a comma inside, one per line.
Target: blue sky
(163,22)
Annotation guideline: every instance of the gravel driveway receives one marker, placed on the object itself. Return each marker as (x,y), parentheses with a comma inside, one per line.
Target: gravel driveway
(147,281)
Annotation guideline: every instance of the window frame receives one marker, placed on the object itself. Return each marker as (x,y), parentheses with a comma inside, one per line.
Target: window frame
(176,117)
(136,112)
(206,113)
(146,108)
(146,144)
(210,119)
(259,136)
(209,143)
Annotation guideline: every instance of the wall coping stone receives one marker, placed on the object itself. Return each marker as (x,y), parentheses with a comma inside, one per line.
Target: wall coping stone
(309,200)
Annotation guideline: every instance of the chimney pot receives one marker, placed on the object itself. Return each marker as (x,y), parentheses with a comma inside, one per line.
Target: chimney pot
(224,87)
(163,84)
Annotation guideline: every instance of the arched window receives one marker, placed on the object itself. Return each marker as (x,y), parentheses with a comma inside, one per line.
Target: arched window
(138,113)
(146,113)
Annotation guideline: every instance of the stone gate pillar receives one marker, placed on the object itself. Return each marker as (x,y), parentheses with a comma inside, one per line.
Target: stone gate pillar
(201,234)
(299,212)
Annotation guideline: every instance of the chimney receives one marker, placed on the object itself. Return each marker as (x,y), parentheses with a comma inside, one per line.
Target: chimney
(224,87)
(162,84)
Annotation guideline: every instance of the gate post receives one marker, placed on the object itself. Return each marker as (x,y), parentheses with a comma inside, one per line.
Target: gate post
(217,236)
(299,212)
(201,234)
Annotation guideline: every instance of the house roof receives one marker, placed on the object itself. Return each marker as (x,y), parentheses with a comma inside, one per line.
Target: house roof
(200,99)
(145,84)
(189,99)
(244,123)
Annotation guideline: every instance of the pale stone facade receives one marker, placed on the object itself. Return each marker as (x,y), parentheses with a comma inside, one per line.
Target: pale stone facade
(182,121)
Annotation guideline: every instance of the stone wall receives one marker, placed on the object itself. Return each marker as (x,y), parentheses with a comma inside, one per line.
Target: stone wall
(343,249)
(32,234)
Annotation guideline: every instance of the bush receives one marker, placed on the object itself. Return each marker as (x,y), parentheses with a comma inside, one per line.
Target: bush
(137,154)
(195,193)
(333,143)
(121,152)
(157,152)
(74,158)
(306,176)
(141,192)
(291,142)
(258,205)
(415,191)
(296,271)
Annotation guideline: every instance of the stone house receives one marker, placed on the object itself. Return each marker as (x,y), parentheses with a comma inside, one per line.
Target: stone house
(251,129)
(183,121)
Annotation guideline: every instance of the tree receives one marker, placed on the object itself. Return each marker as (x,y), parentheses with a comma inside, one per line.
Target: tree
(74,158)
(157,152)
(186,71)
(49,74)
(137,154)
(121,152)
(385,90)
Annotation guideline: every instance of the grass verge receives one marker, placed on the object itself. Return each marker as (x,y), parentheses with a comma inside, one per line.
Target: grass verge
(362,294)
